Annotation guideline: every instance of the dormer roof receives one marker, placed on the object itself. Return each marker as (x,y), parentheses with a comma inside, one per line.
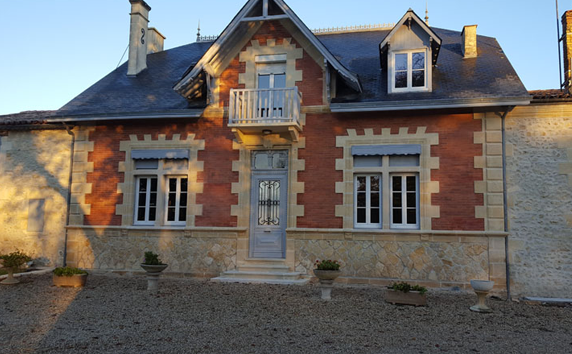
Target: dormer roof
(256,11)
(409,17)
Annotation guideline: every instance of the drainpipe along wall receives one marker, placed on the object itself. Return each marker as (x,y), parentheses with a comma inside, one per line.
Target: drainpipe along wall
(72,148)
(505,202)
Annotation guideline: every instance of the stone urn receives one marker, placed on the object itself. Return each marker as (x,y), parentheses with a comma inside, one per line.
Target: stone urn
(153,273)
(327,278)
(482,288)
(10,280)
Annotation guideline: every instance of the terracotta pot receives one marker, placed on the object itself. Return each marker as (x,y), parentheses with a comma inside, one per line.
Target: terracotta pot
(414,298)
(74,281)
(327,274)
(154,268)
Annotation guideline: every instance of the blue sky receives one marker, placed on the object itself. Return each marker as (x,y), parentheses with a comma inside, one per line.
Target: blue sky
(53,50)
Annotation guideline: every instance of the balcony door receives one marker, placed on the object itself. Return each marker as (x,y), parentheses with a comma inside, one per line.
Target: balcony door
(271,77)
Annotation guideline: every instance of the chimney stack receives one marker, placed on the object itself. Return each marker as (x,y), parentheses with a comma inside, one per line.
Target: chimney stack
(567,46)
(138,37)
(469,41)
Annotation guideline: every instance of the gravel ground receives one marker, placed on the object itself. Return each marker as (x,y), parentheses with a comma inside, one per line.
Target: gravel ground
(114,314)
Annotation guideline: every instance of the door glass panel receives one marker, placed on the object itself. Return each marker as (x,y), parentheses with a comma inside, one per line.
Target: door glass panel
(263,81)
(280,81)
(269,202)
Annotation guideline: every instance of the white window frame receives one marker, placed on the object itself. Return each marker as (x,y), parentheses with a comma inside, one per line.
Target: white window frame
(178,192)
(368,224)
(404,205)
(409,88)
(147,200)
(162,174)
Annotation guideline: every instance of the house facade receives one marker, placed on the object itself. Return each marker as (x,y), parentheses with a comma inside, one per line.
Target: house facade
(249,157)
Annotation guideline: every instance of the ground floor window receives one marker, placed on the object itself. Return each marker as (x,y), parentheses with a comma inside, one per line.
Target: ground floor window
(146,200)
(404,201)
(177,188)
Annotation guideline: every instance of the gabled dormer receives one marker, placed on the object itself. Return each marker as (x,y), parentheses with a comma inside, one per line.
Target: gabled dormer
(408,55)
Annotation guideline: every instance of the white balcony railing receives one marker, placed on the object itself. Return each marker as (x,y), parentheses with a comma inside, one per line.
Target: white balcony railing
(260,107)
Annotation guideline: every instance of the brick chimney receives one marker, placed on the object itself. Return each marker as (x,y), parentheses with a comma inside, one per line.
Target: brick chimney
(469,41)
(567,46)
(138,37)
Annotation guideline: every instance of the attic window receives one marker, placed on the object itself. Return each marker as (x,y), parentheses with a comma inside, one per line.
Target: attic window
(408,71)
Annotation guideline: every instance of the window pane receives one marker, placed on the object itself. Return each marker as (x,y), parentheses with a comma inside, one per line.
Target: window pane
(184,184)
(171,214)
(172,184)
(142,184)
(401,79)
(153,199)
(374,200)
(263,81)
(411,185)
(140,214)
(280,81)
(172,199)
(183,201)
(375,183)
(153,184)
(412,216)
(418,61)
(411,199)
(397,183)
(152,212)
(183,214)
(361,200)
(375,215)
(397,200)
(361,216)
(361,184)
(397,219)
(400,61)
(142,199)
(418,79)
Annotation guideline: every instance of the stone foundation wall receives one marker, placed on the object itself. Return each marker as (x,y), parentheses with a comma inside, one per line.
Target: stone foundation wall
(436,260)
(199,252)
(34,172)
(539,178)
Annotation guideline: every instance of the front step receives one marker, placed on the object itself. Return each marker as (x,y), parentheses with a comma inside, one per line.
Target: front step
(266,271)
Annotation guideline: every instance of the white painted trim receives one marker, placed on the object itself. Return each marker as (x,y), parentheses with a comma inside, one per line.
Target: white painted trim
(391,71)
(404,205)
(368,224)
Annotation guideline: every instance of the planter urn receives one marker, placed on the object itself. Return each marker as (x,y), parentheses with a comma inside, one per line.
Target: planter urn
(74,281)
(153,273)
(482,288)
(327,278)
(10,280)
(397,297)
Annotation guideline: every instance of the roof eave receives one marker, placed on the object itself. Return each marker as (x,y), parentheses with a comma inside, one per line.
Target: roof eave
(191,113)
(427,104)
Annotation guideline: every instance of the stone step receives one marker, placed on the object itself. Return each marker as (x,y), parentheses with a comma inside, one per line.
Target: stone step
(222,279)
(262,275)
(263,268)
(262,262)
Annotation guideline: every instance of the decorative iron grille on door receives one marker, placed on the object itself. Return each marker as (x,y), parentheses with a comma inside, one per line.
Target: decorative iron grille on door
(269,202)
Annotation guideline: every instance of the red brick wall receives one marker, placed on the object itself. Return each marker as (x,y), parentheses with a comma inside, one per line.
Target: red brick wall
(456,175)
(313,77)
(217,175)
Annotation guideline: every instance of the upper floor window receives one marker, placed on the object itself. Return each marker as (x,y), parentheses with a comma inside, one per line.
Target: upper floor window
(408,70)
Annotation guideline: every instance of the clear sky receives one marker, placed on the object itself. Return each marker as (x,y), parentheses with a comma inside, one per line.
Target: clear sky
(52,50)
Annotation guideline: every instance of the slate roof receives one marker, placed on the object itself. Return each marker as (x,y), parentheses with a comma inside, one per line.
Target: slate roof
(26,118)
(488,77)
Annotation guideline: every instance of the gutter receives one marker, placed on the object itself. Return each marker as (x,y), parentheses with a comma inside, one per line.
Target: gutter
(505,203)
(195,113)
(425,104)
(72,149)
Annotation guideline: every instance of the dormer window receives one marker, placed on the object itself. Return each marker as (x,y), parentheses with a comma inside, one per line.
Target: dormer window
(408,71)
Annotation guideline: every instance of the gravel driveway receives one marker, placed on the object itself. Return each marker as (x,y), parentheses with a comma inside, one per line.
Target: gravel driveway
(115,314)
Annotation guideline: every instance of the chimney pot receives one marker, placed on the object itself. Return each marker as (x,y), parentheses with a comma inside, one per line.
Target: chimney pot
(469,41)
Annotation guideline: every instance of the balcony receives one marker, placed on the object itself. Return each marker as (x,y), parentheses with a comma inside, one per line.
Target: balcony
(265,111)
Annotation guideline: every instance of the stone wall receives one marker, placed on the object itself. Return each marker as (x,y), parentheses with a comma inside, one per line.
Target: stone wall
(199,252)
(34,175)
(539,178)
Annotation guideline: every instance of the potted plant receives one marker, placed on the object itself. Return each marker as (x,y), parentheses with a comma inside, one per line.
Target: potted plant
(69,277)
(153,266)
(327,271)
(406,294)
(12,262)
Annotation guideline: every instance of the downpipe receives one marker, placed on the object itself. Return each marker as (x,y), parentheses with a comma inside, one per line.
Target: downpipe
(72,149)
(505,203)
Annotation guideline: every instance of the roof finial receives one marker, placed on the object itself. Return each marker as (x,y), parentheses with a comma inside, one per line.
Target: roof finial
(199,32)
(426,13)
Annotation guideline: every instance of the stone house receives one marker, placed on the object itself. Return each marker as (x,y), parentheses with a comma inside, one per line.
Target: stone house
(397,150)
